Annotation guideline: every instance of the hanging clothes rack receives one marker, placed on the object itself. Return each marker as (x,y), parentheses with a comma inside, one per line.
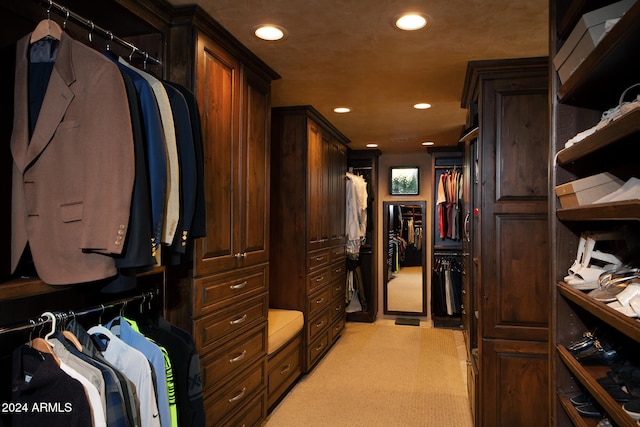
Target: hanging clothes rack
(93,28)
(41,321)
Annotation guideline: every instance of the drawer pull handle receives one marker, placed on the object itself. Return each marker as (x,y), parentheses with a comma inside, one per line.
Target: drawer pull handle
(338,270)
(320,301)
(286,369)
(319,324)
(319,258)
(238,396)
(239,357)
(318,348)
(239,320)
(320,279)
(338,307)
(238,286)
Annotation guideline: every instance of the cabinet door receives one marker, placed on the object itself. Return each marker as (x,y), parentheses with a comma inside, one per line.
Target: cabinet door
(255,172)
(514,209)
(317,229)
(337,196)
(217,89)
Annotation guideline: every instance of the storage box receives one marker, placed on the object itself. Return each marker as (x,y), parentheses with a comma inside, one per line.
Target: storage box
(587,190)
(585,37)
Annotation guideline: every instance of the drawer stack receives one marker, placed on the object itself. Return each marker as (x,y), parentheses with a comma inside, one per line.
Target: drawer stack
(230,330)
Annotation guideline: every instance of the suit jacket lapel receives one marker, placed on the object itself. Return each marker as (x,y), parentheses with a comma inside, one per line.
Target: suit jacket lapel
(56,101)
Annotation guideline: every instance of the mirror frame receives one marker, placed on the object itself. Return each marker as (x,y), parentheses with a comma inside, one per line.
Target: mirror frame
(384,252)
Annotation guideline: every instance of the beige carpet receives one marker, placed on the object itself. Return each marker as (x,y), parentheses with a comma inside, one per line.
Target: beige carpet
(382,374)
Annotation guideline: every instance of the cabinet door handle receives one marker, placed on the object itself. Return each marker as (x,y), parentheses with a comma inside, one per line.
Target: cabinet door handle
(320,301)
(239,320)
(286,369)
(238,396)
(319,324)
(466,226)
(239,357)
(238,286)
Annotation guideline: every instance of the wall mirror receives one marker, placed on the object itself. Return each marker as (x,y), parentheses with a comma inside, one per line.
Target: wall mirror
(404,286)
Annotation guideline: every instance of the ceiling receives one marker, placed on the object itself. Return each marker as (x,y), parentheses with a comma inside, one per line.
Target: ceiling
(347,53)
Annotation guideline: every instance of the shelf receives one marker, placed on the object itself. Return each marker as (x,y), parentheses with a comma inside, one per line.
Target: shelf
(617,211)
(573,413)
(587,376)
(602,77)
(627,125)
(627,325)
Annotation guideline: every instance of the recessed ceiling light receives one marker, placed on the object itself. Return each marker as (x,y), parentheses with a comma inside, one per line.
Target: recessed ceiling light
(341,110)
(422,106)
(269,32)
(412,21)
(428,143)
(372,145)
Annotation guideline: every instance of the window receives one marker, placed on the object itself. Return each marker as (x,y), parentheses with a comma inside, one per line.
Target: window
(404,180)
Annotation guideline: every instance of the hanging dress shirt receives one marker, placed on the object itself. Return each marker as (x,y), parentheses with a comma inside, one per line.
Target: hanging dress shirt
(136,367)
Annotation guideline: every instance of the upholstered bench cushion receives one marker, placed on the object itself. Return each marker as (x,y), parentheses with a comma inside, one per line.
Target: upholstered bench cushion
(283,325)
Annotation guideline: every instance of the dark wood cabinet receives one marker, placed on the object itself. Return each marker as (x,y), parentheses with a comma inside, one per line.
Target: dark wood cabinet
(308,269)
(224,297)
(508,252)
(577,105)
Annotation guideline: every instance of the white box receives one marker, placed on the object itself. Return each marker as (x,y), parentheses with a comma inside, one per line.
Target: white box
(587,190)
(585,37)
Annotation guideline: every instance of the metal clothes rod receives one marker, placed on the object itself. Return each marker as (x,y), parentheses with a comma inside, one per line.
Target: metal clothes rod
(41,321)
(452,253)
(93,28)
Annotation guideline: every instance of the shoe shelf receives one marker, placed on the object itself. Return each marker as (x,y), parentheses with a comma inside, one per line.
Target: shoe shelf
(577,419)
(626,325)
(587,376)
(628,210)
(598,82)
(618,130)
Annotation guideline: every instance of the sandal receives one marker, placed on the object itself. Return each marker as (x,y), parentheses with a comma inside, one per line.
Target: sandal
(579,257)
(586,278)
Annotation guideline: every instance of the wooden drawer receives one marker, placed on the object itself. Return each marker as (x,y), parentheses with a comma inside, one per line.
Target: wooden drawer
(318,301)
(318,279)
(339,270)
(336,328)
(284,369)
(338,289)
(213,291)
(338,308)
(250,416)
(317,349)
(317,259)
(234,356)
(318,324)
(223,401)
(213,328)
(337,253)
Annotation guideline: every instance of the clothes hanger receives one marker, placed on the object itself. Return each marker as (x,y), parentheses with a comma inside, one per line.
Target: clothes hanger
(69,336)
(46,28)
(42,344)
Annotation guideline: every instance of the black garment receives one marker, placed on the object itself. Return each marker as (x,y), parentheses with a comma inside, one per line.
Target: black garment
(186,368)
(49,396)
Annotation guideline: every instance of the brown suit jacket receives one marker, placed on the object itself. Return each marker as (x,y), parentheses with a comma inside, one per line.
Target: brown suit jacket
(72,182)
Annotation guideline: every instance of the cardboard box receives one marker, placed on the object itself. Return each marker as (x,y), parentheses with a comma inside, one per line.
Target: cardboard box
(587,190)
(585,37)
